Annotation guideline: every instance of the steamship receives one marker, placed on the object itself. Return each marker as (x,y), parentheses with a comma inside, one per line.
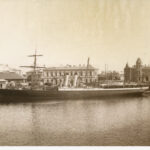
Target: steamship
(37,92)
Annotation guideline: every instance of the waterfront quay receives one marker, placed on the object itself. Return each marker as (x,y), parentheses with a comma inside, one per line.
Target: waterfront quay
(76,76)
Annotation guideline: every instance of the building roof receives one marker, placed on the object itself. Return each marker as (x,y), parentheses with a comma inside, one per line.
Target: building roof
(139,61)
(10,76)
(127,65)
(69,67)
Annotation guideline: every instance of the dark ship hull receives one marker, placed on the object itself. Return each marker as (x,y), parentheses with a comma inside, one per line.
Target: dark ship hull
(8,95)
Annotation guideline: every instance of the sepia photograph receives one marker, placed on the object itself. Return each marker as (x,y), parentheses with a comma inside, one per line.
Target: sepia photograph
(74,73)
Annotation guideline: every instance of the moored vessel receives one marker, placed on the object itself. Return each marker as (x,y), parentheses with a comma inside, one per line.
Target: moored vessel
(36,92)
(13,95)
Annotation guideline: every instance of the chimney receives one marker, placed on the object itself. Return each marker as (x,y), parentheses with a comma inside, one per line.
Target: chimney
(88,62)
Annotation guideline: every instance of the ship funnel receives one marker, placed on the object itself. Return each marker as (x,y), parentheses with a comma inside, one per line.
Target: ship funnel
(75,80)
(66,80)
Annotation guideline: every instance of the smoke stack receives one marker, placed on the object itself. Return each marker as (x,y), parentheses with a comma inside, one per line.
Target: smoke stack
(66,80)
(88,62)
(75,81)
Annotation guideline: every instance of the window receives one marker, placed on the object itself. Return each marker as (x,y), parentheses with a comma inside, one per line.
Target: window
(49,74)
(83,73)
(57,73)
(44,74)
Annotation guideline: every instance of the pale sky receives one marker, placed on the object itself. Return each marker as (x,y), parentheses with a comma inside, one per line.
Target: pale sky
(110,32)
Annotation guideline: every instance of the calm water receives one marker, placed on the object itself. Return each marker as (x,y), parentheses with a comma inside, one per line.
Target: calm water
(122,121)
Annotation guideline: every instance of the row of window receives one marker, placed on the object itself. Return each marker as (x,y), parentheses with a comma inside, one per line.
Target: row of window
(49,74)
(56,81)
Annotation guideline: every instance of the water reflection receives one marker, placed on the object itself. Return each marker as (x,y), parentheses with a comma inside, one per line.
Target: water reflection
(117,121)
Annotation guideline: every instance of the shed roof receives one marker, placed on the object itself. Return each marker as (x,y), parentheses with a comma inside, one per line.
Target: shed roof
(10,75)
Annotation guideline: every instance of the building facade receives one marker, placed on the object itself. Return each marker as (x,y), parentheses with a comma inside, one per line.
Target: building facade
(111,75)
(67,75)
(137,73)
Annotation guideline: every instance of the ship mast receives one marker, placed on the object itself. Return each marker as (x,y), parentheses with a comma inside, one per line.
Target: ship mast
(34,76)
(35,62)
(87,68)
(106,74)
